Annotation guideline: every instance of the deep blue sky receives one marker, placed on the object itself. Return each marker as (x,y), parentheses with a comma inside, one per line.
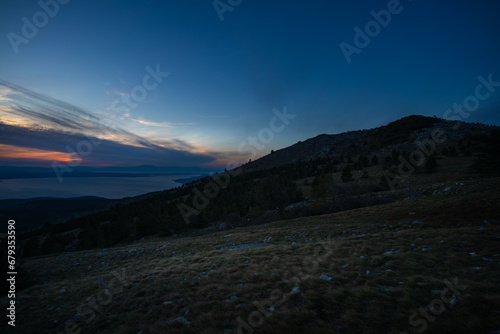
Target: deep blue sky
(225,77)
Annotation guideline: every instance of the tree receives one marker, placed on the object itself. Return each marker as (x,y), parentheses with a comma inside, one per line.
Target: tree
(488,159)
(384,184)
(365,174)
(201,220)
(347,175)
(32,247)
(363,161)
(323,185)
(269,195)
(53,244)
(430,163)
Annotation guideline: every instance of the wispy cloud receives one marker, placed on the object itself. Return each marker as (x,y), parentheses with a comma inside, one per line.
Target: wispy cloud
(4,94)
(149,123)
(115,92)
(156,124)
(45,123)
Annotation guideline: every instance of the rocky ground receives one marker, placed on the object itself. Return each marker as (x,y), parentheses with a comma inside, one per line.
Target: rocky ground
(426,263)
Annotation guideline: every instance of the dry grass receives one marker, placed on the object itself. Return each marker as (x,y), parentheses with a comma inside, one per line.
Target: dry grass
(385,263)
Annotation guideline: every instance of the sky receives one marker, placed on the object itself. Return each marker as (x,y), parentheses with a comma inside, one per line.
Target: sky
(214,83)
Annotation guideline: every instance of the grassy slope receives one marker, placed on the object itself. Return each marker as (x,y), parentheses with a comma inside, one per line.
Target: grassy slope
(395,266)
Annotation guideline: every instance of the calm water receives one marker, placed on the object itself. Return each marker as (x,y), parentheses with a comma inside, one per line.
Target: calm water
(108,187)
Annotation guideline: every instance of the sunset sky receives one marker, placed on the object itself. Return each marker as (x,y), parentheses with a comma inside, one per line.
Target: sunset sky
(185,83)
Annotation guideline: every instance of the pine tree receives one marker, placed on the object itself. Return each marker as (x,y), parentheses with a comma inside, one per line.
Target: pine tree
(488,159)
(347,175)
(365,174)
(430,163)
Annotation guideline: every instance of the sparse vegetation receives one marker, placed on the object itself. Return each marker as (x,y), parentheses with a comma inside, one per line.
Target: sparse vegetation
(383,263)
(264,239)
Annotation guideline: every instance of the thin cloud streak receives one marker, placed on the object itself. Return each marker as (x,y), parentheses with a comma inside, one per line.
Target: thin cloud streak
(44,108)
(58,125)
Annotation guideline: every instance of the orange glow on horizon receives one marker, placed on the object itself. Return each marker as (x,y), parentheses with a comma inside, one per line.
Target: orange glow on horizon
(16,152)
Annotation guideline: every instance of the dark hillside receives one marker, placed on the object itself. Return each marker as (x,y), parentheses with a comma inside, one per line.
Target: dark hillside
(325,174)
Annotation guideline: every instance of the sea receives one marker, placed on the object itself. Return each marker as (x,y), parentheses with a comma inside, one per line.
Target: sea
(113,187)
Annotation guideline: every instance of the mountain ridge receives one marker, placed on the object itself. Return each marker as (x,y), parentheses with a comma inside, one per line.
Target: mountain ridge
(398,132)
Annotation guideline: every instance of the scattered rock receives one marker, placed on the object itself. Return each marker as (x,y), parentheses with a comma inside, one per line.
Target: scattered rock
(453,301)
(240,305)
(182,320)
(325,277)
(232,299)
